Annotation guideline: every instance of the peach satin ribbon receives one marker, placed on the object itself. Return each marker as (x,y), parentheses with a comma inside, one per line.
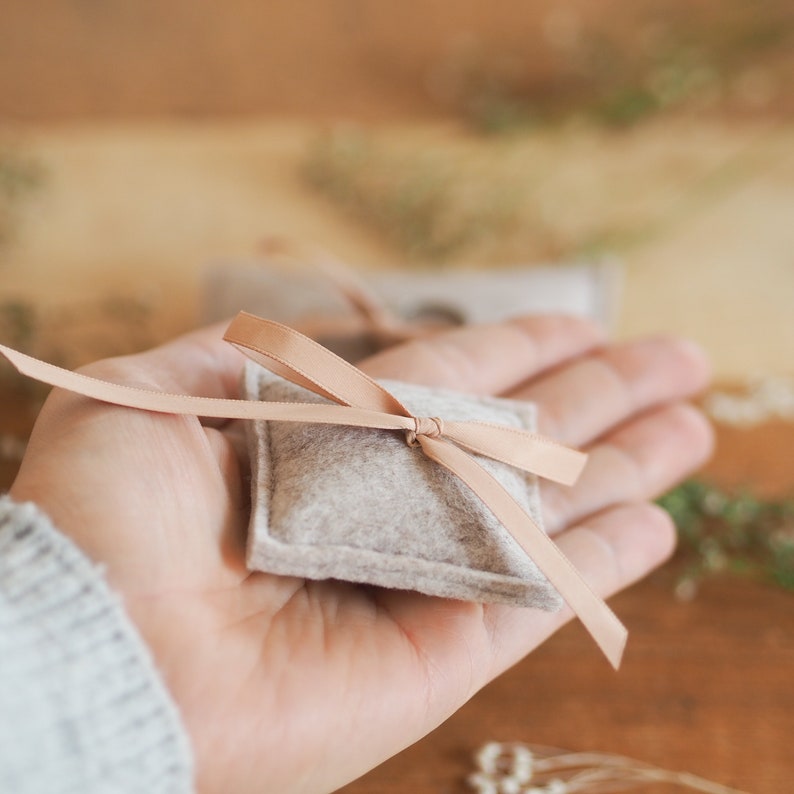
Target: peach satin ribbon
(362,402)
(368,313)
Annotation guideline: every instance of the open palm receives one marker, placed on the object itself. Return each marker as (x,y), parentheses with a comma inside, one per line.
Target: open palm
(289,685)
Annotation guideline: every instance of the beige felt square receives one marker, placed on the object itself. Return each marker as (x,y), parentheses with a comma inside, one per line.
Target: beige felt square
(362,506)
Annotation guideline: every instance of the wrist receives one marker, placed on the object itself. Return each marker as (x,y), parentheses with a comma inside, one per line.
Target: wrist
(80,689)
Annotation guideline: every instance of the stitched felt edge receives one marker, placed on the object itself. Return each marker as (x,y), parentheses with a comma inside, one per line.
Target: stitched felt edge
(365,566)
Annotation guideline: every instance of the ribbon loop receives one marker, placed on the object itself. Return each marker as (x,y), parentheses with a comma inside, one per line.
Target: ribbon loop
(307,363)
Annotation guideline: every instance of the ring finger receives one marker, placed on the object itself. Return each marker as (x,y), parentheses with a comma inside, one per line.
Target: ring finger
(640,460)
(579,402)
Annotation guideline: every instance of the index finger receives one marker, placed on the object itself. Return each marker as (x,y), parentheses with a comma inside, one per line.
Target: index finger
(197,363)
(487,359)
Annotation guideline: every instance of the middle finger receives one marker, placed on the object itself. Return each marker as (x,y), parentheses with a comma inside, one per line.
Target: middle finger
(582,400)
(640,460)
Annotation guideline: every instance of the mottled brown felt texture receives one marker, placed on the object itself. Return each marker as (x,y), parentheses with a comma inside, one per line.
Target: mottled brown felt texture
(361,505)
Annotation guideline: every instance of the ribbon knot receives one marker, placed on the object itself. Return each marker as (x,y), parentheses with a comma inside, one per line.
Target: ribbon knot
(428,426)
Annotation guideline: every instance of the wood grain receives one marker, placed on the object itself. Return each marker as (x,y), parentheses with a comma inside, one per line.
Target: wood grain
(706,685)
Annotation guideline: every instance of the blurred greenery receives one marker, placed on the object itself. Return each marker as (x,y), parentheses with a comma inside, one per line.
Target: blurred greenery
(674,59)
(496,203)
(737,533)
(19,177)
(450,197)
(425,201)
(72,334)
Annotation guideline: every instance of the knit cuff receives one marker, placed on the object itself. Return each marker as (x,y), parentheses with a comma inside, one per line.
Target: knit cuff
(83,707)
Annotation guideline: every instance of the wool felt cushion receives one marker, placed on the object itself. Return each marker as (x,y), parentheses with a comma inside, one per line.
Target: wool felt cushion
(361,505)
(455,296)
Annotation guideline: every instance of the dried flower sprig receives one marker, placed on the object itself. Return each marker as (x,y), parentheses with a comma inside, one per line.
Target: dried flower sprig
(765,398)
(516,768)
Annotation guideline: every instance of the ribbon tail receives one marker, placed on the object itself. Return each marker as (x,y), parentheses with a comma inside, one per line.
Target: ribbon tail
(338,274)
(608,632)
(190,405)
(520,448)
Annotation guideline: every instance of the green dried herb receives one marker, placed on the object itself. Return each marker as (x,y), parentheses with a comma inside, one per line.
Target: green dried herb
(677,60)
(425,202)
(19,176)
(737,533)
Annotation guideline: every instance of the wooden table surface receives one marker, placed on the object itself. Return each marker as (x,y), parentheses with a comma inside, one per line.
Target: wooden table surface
(707,685)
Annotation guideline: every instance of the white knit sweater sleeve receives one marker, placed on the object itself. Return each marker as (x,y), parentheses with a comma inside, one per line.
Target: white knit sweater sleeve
(82,707)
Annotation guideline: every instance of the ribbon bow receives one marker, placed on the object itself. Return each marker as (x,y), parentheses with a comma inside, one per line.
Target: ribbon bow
(360,401)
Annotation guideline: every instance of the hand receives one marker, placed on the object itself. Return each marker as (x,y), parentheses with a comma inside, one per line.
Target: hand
(291,685)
